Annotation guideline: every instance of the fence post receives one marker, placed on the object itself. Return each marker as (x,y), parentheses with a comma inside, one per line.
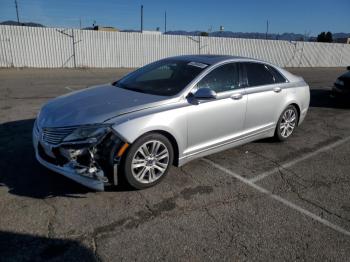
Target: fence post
(73,42)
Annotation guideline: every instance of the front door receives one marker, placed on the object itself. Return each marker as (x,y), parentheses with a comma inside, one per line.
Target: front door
(215,121)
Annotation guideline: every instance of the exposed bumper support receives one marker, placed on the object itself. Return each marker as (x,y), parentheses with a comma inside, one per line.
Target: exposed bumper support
(71,173)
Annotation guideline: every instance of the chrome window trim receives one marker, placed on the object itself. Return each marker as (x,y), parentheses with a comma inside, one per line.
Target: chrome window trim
(189,88)
(267,64)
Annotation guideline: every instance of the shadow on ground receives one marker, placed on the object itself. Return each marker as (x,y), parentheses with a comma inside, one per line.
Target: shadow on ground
(20,171)
(321,97)
(25,247)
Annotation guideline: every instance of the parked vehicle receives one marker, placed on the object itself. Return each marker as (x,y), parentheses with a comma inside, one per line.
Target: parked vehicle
(166,113)
(341,86)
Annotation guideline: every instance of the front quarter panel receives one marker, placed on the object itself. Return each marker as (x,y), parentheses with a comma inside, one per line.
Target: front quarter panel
(172,120)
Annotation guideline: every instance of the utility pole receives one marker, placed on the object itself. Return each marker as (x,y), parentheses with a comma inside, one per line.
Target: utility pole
(141,18)
(17,11)
(267,28)
(165,23)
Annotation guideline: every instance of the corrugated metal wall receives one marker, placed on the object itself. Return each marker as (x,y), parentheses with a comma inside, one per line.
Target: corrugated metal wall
(53,47)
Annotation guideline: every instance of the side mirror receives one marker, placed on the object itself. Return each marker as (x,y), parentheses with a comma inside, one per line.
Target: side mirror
(205,93)
(348,68)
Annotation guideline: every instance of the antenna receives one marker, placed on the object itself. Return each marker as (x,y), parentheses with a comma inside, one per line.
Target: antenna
(267,28)
(17,11)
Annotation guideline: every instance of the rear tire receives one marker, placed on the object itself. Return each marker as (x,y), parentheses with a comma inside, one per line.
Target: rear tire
(287,123)
(148,160)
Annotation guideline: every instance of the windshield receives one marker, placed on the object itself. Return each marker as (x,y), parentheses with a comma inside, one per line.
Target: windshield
(164,78)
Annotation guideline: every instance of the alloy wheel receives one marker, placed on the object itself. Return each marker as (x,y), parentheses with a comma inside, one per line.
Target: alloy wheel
(150,162)
(288,123)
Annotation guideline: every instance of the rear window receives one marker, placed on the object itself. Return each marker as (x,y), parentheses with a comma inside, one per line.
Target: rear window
(258,74)
(164,78)
(279,78)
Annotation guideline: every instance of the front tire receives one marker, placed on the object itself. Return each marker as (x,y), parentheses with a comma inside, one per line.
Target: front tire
(148,160)
(287,123)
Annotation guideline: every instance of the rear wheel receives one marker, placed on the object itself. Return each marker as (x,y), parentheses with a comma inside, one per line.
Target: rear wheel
(148,160)
(287,123)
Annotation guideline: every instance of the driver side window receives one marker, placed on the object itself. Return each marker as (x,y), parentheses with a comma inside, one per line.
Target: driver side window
(221,79)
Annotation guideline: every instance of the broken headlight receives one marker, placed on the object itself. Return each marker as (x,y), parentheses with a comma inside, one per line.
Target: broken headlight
(89,134)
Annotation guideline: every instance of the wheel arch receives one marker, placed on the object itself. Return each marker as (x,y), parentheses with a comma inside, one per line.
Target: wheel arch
(172,140)
(298,110)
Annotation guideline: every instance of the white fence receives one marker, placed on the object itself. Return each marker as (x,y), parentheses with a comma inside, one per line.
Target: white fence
(54,48)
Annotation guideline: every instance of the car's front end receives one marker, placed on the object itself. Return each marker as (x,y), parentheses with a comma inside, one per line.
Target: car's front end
(73,134)
(342,86)
(83,154)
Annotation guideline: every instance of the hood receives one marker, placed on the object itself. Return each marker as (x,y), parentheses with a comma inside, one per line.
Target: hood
(94,105)
(345,75)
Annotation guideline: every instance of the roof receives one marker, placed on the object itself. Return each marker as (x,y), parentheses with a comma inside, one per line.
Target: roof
(206,59)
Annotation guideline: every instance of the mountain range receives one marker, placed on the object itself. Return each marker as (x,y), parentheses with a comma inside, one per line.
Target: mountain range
(256,35)
(229,34)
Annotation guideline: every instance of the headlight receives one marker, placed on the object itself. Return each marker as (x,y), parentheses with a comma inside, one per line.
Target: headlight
(38,115)
(339,82)
(89,134)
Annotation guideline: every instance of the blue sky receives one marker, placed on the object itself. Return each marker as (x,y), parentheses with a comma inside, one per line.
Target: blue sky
(241,16)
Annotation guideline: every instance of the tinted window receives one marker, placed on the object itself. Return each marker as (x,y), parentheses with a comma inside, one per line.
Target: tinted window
(277,75)
(258,74)
(165,78)
(221,79)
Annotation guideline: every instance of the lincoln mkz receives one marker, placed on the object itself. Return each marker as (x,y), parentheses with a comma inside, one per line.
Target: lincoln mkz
(166,113)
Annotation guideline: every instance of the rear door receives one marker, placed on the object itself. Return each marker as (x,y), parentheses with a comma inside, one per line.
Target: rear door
(265,96)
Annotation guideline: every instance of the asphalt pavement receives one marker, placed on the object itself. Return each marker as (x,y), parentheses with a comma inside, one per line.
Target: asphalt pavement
(264,201)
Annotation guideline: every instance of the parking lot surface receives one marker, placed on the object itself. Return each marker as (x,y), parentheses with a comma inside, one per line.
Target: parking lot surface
(264,201)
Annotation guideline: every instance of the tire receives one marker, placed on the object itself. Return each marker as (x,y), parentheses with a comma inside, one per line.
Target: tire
(142,168)
(287,123)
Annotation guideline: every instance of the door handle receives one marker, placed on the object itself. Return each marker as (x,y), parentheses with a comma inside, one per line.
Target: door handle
(277,89)
(237,96)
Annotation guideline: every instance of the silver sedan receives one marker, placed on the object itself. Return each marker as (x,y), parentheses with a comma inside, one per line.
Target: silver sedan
(166,113)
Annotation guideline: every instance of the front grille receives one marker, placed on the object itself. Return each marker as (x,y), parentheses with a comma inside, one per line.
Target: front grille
(55,135)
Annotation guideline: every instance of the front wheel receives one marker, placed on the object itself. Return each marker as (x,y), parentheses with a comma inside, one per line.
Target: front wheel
(148,160)
(286,123)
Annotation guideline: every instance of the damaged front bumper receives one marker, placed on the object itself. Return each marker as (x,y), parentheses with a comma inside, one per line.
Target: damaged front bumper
(71,173)
(86,164)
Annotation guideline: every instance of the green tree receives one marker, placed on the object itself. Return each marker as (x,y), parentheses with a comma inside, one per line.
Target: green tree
(204,34)
(329,37)
(325,37)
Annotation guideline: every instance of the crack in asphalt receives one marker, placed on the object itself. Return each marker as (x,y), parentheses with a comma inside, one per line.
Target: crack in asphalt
(94,249)
(298,194)
(52,218)
(189,174)
(143,216)
(152,212)
(295,190)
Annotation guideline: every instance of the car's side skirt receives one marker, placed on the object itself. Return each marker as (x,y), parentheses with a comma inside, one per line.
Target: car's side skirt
(268,132)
